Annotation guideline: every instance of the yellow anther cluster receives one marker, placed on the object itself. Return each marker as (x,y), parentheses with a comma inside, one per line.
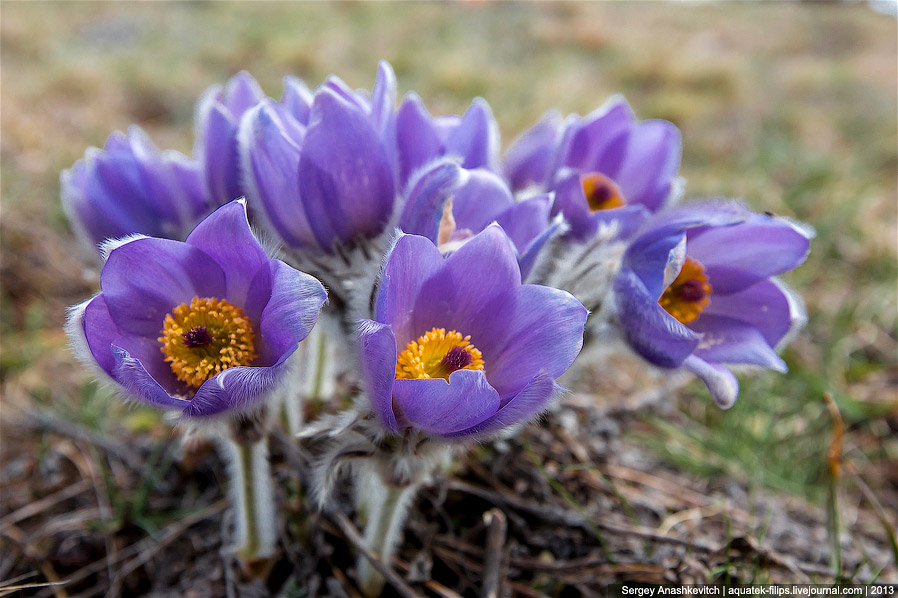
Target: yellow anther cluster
(226,339)
(601,192)
(437,354)
(687,296)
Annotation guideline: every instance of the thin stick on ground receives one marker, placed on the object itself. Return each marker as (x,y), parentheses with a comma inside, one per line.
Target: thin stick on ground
(355,538)
(496,528)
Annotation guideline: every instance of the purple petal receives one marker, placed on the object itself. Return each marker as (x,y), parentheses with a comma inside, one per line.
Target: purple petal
(237,389)
(189,179)
(145,279)
(546,337)
(528,157)
(727,340)
(763,246)
(270,156)
(116,143)
(480,199)
(297,99)
(586,140)
(721,382)
(468,294)
(525,221)
(219,155)
(101,342)
(383,112)
(425,197)
(410,263)
(138,383)
(652,161)
(157,182)
(87,210)
(225,236)
(241,93)
(336,85)
(110,178)
(652,332)
(440,408)
(476,139)
(523,407)
(650,256)
(705,213)
(383,97)
(627,219)
(345,178)
(292,310)
(100,332)
(764,306)
(650,252)
(378,370)
(416,137)
(528,257)
(570,200)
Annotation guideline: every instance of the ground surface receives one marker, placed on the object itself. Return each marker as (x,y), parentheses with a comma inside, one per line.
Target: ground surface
(792,106)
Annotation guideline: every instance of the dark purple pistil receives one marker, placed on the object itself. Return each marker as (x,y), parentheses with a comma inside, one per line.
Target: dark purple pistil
(600,194)
(456,359)
(197,337)
(691,290)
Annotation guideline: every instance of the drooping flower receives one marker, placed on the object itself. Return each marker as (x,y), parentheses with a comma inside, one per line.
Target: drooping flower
(218,115)
(471,139)
(321,168)
(131,187)
(202,326)
(603,167)
(458,347)
(696,290)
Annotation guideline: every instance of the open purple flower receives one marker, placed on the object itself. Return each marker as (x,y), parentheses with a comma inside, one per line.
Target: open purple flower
(695,290)
(218,115)
(472,139)
(321,167)
(458,347)
(202,326)
(131,187)
(603,167)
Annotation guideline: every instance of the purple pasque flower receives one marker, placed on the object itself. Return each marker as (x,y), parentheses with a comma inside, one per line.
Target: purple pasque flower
(471,139)
(449,204)
(321,168)
(603,167)
(203,326)
(218,115)
(458,347)
(131,187)
(696,290)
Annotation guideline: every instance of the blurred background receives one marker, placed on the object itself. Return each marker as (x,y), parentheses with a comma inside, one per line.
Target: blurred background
(791,106)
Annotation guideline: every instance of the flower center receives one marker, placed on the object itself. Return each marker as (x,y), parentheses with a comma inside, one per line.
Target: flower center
(206,337)
(437,354)
(688,295)
(601,192)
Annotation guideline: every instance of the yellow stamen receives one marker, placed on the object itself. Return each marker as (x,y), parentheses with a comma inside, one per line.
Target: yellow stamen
(437,354)
(601,192)
(687,296)
(205,338)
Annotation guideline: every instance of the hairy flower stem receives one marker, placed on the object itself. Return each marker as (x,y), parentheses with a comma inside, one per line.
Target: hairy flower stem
(385,506)
(252,497)
(312,378)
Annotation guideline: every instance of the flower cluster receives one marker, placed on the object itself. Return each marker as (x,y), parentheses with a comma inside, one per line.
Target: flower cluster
(461,282)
